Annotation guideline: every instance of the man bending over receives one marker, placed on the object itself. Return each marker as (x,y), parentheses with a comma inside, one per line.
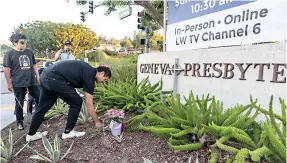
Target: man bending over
(60,80)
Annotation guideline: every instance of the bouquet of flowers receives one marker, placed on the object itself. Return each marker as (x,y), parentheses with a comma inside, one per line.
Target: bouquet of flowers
(115,115)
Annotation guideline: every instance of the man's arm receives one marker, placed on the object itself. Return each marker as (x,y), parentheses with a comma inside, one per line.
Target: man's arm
(35,67)
(7,76)
(7,68)
(91,109)
(36,72)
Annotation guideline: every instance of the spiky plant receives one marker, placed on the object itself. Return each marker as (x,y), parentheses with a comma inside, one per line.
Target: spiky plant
(58,109)
(6,149)
(274,136)
(186,125)
(54,152)
(128,95)
(84,116)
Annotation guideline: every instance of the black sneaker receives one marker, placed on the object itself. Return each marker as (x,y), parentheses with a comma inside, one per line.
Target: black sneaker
(20,126)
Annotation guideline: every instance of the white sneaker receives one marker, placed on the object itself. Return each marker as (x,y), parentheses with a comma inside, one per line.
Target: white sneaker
(73,134)
(37,136)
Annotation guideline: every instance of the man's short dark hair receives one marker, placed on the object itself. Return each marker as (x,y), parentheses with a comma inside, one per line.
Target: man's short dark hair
(106,70)
(16,37)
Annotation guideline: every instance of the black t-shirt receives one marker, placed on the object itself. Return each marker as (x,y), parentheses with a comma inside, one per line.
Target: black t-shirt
(21,67)
(78,73)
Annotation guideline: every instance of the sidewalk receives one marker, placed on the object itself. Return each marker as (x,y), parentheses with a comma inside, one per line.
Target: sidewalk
(7,109)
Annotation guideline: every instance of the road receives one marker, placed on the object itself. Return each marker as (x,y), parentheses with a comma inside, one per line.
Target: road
(7,104)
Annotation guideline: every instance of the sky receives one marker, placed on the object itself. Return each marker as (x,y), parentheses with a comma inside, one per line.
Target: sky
(14,12)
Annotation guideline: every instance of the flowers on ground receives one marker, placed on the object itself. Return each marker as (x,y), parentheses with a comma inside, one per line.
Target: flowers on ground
(116,115)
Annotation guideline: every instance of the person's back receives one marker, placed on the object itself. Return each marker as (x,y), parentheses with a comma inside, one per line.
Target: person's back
(78,73)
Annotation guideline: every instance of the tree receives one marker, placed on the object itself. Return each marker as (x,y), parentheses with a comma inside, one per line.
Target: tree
(82,37)
(42,36)
(126,42)
(4,48)
(137,39)
(153,9)
(115,42)
(157,41)
(103,39)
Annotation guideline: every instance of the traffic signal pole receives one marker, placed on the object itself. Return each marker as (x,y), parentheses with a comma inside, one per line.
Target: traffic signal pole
(147,31)
(147,45)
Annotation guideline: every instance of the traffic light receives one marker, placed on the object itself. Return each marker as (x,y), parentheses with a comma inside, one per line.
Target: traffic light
(91,6)
(140,23)
(83,16)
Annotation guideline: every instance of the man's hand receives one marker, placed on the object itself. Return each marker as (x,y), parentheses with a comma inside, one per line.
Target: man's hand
(91,110)
(10,87)
(99,124)
(60,51)
(58,54)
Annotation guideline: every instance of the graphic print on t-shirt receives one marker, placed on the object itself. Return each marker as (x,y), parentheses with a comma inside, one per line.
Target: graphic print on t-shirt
(24,62)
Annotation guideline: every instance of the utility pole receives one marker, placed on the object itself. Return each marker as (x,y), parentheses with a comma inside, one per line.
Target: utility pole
(164,24)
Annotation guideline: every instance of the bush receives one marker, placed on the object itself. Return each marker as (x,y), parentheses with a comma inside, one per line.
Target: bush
(134,58)
(111,53)
(123,72)
(97,56)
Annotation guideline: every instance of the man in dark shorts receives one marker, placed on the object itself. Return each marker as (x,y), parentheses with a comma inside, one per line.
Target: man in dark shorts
(60,81)
(21,73)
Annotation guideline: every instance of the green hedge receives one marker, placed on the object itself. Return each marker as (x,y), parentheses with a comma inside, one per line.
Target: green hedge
(123,72)
(111,53)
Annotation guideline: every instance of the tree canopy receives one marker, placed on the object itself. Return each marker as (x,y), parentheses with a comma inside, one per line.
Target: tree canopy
(4,48)
(46,35)
(157,41)
(126,42)
(136,41)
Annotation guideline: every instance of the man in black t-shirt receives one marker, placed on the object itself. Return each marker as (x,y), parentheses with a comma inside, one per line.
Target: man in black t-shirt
(21,72)
(59,81)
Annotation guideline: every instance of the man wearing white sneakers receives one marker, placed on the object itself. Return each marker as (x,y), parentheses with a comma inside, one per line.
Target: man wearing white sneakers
(60,81)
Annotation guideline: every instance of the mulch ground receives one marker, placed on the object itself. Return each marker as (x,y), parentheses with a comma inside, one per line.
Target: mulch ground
(92,148)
